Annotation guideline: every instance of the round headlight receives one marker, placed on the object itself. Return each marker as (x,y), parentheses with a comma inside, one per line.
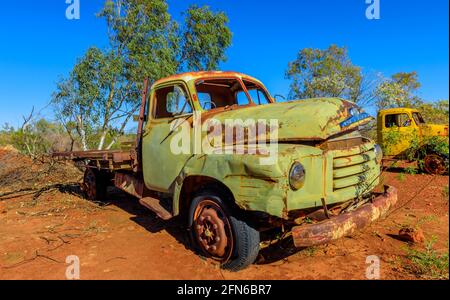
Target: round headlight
(297,176)
(378,154)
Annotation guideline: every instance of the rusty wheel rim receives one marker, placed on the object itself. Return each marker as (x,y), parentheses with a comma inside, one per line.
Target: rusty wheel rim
(90,184)
(212,230)
(434,164)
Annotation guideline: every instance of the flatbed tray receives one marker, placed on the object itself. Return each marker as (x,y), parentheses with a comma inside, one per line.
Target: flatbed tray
(101,159)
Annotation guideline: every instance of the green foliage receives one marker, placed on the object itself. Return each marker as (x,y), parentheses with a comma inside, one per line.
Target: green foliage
(401,91)
(419,147)
(393,137)
(425,219)
(401,177)
(436,112)
(445,192)
(411,170)
(35,138)
(428,263)
(324,73)
(205,38)
(398,91)
(101,94)
(5,135)
(144,36)
(435,144)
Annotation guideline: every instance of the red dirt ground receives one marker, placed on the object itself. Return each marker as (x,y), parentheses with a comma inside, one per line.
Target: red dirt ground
(123,240)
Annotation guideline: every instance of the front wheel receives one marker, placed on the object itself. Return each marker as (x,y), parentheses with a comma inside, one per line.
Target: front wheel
(434,164)
(220,235)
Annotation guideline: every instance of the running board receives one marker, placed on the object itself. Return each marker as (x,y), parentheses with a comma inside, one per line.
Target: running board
(154,205)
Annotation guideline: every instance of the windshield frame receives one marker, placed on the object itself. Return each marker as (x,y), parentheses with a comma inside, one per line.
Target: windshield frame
(261,87)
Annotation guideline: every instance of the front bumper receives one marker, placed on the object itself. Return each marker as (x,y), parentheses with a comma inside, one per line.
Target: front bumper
(345,224)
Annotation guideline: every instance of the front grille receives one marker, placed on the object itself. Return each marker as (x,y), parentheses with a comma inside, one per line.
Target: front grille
(354,168)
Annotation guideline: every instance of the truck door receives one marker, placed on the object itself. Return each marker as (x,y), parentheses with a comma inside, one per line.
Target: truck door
(170,105)
(398,132)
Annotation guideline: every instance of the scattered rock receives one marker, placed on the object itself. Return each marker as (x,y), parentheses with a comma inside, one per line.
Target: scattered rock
(412,235)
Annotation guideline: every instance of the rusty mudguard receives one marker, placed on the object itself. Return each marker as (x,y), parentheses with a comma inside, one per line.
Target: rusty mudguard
(345,224)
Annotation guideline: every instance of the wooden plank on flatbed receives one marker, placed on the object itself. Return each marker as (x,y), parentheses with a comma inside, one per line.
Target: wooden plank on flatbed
(103,159)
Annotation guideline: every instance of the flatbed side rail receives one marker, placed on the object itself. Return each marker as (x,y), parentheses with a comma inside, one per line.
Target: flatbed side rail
(101,159)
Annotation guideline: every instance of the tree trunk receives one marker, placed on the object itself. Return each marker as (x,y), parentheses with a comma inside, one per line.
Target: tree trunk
(112,143)
(102,140)
(83,140)
(82,133)
(122,129)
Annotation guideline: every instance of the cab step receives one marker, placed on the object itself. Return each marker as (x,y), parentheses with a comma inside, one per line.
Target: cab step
(154,205)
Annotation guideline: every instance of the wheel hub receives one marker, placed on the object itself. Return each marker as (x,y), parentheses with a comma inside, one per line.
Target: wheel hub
(434,164)
(212,230)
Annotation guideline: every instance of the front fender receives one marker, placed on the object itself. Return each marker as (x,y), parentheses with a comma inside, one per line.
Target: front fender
(255,187)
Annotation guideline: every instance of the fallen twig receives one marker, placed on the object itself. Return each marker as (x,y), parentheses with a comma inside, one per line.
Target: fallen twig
(36,255)
(37,191)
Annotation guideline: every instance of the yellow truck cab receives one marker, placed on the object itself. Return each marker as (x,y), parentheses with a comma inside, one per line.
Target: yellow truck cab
(401,130)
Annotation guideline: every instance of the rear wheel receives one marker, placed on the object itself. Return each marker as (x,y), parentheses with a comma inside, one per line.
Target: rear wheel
(95,184)
(220,235)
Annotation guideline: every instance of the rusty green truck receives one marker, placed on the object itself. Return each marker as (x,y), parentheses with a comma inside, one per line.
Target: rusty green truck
(318,187)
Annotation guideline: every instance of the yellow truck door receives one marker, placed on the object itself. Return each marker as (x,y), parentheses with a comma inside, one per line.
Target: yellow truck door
(398,130)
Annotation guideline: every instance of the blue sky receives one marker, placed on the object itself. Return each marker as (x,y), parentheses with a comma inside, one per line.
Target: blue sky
(39,44)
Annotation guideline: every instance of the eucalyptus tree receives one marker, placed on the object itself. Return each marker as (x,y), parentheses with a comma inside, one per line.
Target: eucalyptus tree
(103,89)
(327,73)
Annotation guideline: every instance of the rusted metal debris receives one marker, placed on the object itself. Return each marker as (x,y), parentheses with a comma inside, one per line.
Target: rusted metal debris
(412,235)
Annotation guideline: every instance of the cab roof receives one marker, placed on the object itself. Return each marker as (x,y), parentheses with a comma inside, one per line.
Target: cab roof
(397,110)
(205,75)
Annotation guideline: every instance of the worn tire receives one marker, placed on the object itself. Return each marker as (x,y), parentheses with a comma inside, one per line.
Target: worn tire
(434,164)
(245,239)
(95,184)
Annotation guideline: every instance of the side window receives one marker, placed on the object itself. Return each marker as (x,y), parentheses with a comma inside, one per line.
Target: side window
(397,120)
(172,101)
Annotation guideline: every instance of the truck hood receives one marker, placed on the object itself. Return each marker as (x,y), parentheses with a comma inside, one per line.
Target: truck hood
(434,130)
(302,120)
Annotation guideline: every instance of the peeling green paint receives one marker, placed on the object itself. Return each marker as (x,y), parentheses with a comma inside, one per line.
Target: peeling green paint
(334,175)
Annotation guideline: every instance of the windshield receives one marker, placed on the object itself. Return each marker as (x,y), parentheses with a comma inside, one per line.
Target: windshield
(418,118)
(217,93)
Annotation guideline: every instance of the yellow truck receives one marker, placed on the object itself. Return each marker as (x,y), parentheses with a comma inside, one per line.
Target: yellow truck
(404,134)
